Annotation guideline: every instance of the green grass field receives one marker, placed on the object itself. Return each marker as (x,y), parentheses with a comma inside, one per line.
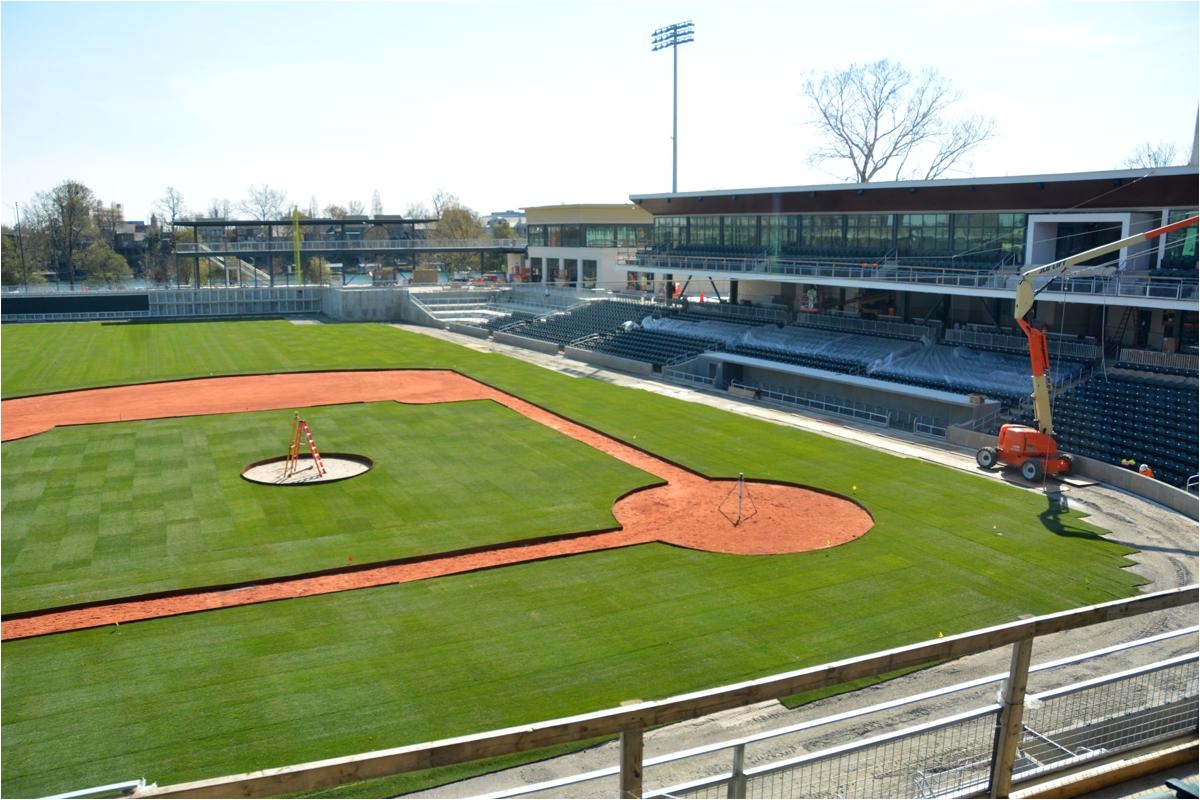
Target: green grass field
(260,686)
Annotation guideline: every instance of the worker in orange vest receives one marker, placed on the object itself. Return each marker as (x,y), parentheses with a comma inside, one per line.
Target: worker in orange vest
(1144,469)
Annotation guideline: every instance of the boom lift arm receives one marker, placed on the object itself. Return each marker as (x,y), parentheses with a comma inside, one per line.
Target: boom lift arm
(1034,450)
(1039,356)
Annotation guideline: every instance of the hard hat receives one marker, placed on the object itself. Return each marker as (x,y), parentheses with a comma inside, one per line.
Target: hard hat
(1143,466)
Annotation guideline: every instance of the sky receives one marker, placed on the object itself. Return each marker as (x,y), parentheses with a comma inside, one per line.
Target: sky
(508,105)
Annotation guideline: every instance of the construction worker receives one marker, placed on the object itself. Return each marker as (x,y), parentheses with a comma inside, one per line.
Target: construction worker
(1144,469)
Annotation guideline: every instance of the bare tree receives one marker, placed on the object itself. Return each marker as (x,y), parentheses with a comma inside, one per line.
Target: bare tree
(443,200)
(265,203)
(171,205)
(355,209)
(416,211)
(220,209)
(376,204)
(882,117)
(1148,156)
(335,212)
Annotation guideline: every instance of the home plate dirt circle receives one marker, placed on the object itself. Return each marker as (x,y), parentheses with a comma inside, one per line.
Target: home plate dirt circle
(336,467)
(753,518)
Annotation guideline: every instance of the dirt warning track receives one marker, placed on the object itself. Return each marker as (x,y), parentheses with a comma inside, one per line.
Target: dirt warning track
(687,510)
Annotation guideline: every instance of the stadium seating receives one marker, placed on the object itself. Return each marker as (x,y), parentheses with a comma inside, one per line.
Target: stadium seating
(581,322)
(1126,415)
(652,347)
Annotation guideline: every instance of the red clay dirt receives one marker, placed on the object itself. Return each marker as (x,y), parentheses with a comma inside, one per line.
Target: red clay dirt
(750,518)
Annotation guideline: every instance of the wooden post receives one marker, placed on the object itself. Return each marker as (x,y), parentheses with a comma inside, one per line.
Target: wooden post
(631,762)
(1008,725)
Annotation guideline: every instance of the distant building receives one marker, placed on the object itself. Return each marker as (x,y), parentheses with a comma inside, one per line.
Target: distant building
(586,246)
(514,218)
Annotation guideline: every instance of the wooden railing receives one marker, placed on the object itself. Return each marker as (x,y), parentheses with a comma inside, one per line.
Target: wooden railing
(630,721)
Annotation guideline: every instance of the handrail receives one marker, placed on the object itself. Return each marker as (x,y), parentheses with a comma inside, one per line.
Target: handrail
(648,714)
(1139,285)
(345,245)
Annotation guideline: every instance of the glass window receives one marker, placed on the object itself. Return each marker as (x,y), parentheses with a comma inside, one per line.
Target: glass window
(537,235)
(923,235)
(600,236)
(870,233)
(571,236)
(780,233)
(670,231)
(741,231)
(989,239)
(824,230)
(1180,245)
(704,230)
(634,235)
(589,273)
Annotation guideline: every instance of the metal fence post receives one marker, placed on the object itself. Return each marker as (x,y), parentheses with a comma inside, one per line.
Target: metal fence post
(737,784)
(1008,723)
(631,762)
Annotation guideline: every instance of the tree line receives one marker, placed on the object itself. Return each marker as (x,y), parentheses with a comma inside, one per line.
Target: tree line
(69,236)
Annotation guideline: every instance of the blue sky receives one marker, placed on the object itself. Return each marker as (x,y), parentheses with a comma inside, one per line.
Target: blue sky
(511,104)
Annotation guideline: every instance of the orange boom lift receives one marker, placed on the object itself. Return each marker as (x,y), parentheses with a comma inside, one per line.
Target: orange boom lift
(1033,450)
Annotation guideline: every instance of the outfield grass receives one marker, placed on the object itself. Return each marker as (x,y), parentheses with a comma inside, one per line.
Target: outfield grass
(261,686)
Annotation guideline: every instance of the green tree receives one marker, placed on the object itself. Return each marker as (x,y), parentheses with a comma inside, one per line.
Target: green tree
(103,264)
(64,215)
(316,270)
(18,266)
(457,222)
(496,262)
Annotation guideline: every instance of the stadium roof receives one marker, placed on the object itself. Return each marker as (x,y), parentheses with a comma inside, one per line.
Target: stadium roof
(1153,189)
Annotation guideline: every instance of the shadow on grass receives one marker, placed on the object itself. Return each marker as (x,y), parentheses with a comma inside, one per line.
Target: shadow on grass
(1057,518)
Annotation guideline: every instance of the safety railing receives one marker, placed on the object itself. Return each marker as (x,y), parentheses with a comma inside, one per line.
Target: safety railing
(285,245)
(1062,726)
(632,720)
(1139,285)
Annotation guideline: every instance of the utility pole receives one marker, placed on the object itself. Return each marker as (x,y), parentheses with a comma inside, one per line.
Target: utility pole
(672,36)
(21,249)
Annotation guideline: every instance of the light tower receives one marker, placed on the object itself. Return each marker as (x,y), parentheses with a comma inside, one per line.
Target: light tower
(672,36)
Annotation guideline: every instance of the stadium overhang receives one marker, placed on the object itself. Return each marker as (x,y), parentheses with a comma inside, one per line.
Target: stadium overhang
(1150,190)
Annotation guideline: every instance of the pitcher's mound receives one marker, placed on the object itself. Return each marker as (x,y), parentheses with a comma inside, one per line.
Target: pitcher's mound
(770,519)
(337,466)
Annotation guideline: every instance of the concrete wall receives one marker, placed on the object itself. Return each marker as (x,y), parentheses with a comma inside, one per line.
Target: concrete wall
(609,361)
(526,342)
(468,330)
(952,412)
(363,305)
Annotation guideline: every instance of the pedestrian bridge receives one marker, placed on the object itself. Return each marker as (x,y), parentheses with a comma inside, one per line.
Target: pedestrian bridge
(355,245)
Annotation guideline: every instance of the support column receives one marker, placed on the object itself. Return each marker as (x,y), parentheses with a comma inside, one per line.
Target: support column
(631,762)
(1008,725)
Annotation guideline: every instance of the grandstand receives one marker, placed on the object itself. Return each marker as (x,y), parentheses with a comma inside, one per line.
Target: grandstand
(882,364)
